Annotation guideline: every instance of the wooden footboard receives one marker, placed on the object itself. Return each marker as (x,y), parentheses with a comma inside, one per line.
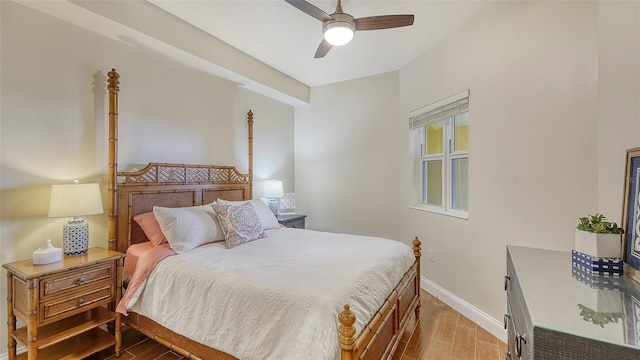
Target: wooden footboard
(380,337)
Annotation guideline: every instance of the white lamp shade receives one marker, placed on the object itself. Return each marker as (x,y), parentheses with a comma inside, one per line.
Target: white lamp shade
(75,200)
(273,189)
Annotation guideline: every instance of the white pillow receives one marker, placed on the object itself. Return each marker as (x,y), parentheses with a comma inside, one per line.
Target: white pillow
(188,227)
(265,214)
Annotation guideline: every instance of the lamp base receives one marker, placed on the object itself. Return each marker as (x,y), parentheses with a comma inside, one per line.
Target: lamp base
(75,237)
(273,206)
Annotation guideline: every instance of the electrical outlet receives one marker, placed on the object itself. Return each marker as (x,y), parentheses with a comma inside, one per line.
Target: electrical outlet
(431,255)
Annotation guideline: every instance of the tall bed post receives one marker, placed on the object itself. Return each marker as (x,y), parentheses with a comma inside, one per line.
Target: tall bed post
(113,157)
(250,140)
(417,251)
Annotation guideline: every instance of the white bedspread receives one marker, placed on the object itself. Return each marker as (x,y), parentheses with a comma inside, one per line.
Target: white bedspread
(274,298)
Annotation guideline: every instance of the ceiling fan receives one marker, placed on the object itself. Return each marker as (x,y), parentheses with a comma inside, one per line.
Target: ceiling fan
(338,28)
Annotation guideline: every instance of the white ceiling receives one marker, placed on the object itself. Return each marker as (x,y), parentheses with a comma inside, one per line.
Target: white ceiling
(285,38)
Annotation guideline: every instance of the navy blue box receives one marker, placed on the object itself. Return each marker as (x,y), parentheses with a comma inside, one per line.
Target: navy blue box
(595,265)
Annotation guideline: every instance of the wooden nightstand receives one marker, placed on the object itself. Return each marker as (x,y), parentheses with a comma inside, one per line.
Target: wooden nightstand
(292,220)
(62,305)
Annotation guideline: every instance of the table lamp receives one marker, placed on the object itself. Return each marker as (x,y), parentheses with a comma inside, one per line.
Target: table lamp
(74,200)
(273,190)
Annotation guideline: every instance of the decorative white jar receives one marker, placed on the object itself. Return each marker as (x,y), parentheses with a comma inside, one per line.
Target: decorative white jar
(47,254)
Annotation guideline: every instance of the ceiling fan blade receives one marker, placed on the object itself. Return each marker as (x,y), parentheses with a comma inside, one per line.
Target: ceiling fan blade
(383,22)
(310,9)
(323,49)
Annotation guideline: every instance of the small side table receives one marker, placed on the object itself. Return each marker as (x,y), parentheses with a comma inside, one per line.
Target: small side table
(295,221)
(63,305)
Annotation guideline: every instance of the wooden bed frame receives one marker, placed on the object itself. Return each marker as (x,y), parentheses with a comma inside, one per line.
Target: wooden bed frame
(177,185)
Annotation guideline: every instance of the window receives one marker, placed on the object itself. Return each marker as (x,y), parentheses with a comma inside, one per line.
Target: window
(440,156)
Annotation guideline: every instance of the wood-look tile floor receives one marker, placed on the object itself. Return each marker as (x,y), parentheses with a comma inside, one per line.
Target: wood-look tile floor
(444,334)
(441,334)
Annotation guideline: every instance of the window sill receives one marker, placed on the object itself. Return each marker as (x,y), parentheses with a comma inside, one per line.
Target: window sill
(456,214)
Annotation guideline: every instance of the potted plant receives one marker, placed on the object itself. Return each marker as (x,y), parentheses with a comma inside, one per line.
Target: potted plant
(598,237)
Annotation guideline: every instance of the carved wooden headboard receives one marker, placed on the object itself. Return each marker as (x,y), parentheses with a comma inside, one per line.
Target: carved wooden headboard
(161,184)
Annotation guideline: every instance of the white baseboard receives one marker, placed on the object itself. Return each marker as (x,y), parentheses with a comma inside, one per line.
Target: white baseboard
(495,327)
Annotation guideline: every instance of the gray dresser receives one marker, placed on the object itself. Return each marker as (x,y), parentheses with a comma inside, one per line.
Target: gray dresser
(558,311)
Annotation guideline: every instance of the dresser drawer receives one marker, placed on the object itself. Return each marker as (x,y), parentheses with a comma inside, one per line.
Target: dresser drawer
(76,280)
(520,336)
(511,335)
(96,295)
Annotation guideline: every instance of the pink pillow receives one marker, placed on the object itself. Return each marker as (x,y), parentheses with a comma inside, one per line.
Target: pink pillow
(151,228)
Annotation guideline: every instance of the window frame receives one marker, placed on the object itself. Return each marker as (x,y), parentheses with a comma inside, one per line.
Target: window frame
(447,157)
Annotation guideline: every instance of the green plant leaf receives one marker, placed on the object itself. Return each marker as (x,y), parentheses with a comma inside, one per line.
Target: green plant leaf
(598,224)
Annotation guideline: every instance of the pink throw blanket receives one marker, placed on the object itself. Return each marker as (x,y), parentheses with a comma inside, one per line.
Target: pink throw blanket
(146,263)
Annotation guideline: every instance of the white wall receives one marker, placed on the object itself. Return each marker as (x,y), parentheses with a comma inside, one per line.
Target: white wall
(346,153)
(54,123)
(618,99)
(273,140)
(531,68)
(540,75)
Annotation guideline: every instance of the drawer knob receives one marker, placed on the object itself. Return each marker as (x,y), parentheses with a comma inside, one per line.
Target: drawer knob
(519,340)
(80,301)
(81,280)
(506,281)
(505,319)
(507,355)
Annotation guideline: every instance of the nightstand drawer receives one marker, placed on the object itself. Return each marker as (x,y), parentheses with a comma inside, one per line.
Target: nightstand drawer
(55,309)
(295,221)
(295,224)
(75,280)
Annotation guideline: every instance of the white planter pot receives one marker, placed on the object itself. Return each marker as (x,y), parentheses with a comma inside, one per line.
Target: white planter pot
(598,245)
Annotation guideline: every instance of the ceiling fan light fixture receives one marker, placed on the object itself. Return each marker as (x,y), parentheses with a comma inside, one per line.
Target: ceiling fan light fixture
(338,35)
(338,28)
(339,31)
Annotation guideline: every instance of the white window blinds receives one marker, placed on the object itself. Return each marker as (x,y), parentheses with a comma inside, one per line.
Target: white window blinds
(444,109)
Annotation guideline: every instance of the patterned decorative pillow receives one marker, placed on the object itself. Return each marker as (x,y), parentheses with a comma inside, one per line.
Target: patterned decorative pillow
(240,223)
(265,214)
